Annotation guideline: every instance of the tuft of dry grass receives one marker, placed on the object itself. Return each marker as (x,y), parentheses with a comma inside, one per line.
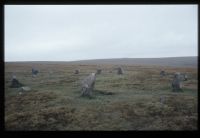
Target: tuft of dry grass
(55,118)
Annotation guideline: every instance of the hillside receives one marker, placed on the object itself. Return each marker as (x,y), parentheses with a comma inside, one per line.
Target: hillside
(171,61)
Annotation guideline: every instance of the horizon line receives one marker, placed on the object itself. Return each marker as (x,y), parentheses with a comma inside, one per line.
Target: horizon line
(94,59)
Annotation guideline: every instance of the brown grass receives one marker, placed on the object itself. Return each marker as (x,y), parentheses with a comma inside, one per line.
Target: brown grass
(119,102)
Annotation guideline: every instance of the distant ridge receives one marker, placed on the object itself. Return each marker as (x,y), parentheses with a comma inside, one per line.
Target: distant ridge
(168,61)
(191,61)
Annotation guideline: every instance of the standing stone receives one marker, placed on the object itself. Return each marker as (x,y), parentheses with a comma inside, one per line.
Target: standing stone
(176,83)
(162,73)
(77,71)
(120,71)
(184,77)
(99,71)
(15,83)
(88,85)
(34,72)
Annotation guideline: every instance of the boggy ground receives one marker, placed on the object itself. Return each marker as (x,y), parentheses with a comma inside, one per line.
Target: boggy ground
(120,102)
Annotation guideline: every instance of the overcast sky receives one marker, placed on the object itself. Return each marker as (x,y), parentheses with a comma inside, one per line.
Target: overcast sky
(77,32)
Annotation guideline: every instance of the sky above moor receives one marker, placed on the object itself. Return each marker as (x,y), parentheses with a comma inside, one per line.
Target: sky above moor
(78,32)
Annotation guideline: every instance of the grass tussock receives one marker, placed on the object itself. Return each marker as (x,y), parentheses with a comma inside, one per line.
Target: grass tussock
(44,119)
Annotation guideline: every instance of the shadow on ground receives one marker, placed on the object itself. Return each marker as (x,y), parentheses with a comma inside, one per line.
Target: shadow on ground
(103,92)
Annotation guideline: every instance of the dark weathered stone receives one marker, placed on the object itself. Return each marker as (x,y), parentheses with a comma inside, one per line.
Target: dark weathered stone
(34,72)
(15,83)
(120,71)
(162,73)
(99,71)
(77,71)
